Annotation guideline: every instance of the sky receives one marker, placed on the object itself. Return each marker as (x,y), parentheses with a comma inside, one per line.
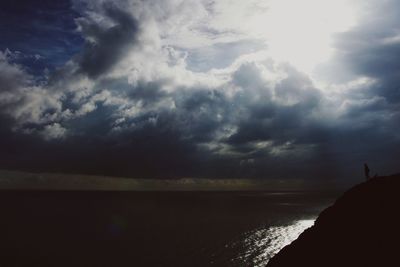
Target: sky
(265,89)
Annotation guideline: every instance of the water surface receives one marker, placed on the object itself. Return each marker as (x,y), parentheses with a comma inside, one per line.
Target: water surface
(152,228)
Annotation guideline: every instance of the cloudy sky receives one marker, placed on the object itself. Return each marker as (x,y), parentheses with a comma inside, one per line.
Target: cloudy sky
(201,88)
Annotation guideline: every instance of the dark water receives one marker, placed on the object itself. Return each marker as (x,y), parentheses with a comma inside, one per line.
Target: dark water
(151,228)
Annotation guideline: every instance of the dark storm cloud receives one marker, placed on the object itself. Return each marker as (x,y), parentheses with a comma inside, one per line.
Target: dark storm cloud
(373,48)
(265,119)
(148,93)
(149,152)
(261,120)
(370,123)
(107,45)
(202,113)
(160,148)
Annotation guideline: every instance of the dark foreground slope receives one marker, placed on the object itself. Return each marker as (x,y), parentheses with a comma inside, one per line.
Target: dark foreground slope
(361,229)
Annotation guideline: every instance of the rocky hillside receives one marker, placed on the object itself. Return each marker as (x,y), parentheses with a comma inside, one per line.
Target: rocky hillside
(362,228)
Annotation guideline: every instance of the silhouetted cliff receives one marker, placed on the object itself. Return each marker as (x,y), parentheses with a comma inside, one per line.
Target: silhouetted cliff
(362,228)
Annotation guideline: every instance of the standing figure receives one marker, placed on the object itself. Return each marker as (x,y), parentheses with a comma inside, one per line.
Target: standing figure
(366,171)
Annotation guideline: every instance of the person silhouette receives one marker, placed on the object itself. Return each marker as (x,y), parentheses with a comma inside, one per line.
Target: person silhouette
(366,171)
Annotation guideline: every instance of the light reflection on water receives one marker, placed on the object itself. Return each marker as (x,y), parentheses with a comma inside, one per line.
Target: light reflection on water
(259,246)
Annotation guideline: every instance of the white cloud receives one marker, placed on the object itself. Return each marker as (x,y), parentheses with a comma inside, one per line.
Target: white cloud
(53,131)
(155,70)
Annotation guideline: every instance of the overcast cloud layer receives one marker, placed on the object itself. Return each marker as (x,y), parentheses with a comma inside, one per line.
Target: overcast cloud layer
(169,89)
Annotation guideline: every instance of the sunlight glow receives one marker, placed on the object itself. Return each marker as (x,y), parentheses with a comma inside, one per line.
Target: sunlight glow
(300,32)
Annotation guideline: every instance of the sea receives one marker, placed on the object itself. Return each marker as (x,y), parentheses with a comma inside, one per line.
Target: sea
(100,228)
